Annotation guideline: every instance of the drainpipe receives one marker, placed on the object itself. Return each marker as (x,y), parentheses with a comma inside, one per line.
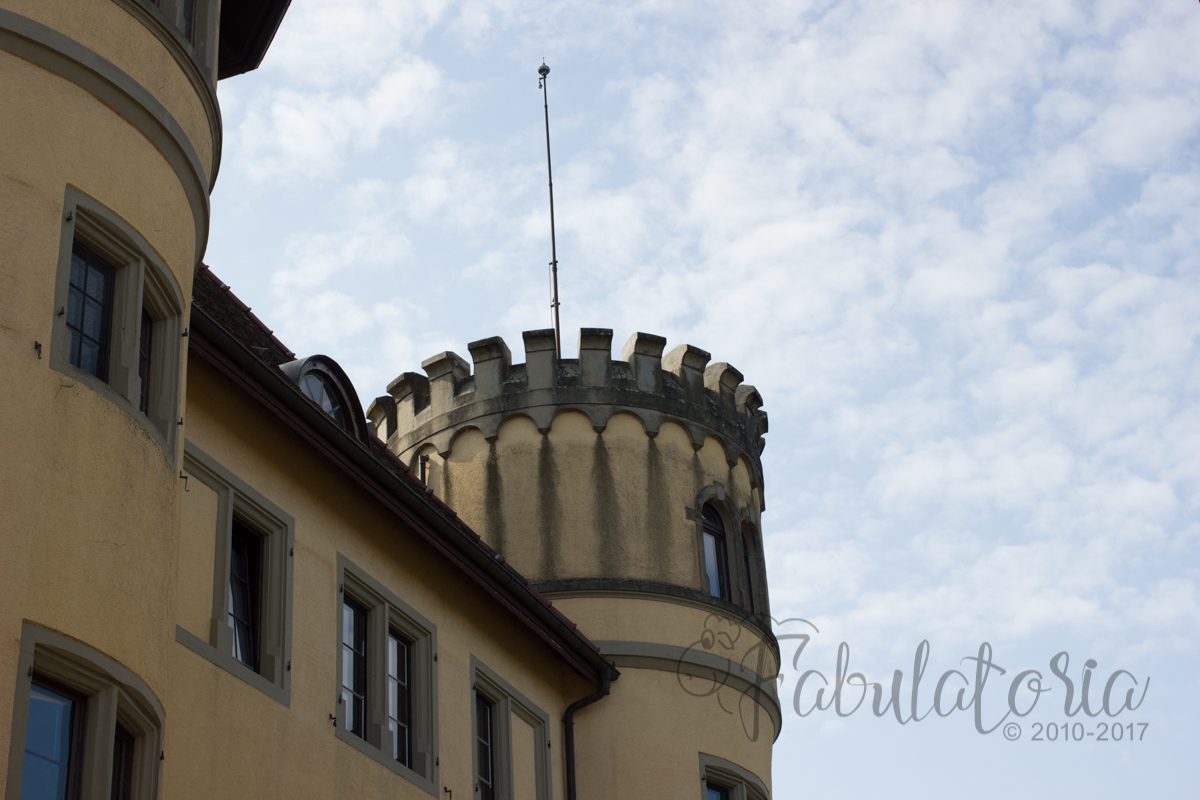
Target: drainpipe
(569,725)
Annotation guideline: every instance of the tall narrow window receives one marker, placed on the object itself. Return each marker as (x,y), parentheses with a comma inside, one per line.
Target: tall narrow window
(245,593)
(53,743)
(400,698)
(716,565)
(354,667)
(484,740)
(89,311)
(144,361)
(749,572)
(122,766)
(716,793)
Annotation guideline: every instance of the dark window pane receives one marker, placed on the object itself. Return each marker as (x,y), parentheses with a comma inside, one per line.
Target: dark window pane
(484,732)
(312,388)
(237,563)
(122,766)
(715,793)
(245,592)
(46,769)
(75,307)
(97,280)
(716,565)
(710,564)
(144,362)
(749,572)
(76,341)
(348,664)
(348,623)
(354,666)
(89,311)
(316,389)
(78,270)
(400,698)
(89,356)
(93,319)
(188,10)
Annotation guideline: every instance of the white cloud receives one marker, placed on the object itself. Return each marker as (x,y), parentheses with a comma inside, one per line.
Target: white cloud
(309,134)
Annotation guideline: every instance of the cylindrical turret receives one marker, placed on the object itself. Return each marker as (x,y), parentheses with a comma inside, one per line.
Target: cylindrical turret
(630,492)
(110,138)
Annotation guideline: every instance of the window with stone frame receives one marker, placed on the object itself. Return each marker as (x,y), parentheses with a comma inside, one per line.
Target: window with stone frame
(386,678)
(84,726)
(118,317)
(511,739)
(250,620)
(721,779)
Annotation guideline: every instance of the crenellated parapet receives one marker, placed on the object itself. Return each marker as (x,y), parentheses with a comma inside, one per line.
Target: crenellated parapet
(707,399)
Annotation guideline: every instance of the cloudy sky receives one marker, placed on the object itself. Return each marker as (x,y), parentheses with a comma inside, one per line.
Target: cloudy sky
(954,245)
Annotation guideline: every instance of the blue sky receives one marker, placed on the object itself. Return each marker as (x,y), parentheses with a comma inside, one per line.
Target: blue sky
(954,245)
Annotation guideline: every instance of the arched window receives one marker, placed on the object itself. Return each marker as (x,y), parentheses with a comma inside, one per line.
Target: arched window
(716,561)
(317,389)
(321,380)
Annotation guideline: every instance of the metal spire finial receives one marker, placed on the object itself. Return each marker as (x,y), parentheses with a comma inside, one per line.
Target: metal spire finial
(543,71)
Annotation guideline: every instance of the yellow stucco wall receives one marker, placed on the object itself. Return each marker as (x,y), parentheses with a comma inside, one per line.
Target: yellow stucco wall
(228,739)
(56,135)
(89,496)
(110,31)
(648,713)
(197,546)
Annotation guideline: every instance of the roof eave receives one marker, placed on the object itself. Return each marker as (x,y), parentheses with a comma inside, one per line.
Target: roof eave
(252,32)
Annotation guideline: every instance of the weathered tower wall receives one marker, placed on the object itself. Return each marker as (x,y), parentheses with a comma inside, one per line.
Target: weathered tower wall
(590,476)
(588,469)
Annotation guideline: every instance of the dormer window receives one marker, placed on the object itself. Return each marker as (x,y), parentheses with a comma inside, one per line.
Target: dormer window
(322,381)
(315,389)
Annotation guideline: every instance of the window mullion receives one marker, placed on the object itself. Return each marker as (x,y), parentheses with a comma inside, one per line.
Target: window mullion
(377,671)
(99,739)
(221,635)
(270,634)
(126,322)
(502,726)
(421,728)
(163,368)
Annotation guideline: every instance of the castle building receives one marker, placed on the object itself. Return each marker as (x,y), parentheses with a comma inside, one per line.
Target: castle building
(219,577)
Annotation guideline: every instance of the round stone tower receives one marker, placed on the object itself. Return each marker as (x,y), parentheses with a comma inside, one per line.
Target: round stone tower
(630,493)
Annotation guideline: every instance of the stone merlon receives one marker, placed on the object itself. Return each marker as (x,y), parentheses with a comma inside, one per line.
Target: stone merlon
(682,386)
